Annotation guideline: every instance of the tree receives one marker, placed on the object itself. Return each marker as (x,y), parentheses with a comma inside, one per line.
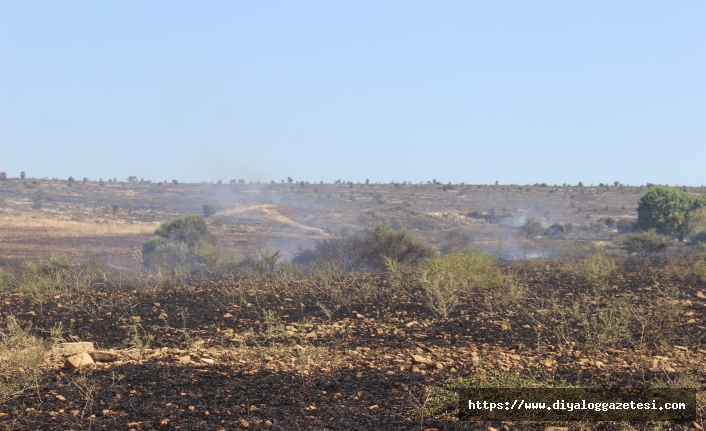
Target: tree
(71,181)
(665,210)
(3,176)
(175,182)
(22,175)
(209,210)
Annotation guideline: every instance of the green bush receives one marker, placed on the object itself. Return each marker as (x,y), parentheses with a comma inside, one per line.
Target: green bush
(177,242)
(644,243)
(443,278)
(531,228)
(365,252)
(557,230)
(596,268)
(696,222)
(43,277)
(209,210)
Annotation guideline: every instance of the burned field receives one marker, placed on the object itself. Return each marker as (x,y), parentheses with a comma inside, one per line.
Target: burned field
(284,349)
(36,216)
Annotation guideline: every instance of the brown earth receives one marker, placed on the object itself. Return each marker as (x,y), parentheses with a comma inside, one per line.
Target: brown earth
(339,352)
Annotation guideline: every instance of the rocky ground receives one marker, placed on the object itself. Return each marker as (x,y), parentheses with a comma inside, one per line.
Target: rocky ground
(344,352)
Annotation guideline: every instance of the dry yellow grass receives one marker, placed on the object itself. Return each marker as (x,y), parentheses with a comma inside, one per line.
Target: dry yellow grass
(56,226)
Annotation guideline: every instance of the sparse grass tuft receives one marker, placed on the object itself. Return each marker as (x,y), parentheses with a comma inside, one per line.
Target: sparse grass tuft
(21,357)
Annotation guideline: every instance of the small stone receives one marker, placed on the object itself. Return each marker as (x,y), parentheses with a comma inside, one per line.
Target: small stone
(555,428)
(208,361)
(192,408)
(103,356)
(412,323)
(184,359)
(360,316)
(78,360)
(439,366)
(692,320)
(374,406)
(419,359)
(700,294)
(164,421)
(227,316)
(253,408)
(492,429)
(600,364)
(60,398)
(157,304)
(697,426)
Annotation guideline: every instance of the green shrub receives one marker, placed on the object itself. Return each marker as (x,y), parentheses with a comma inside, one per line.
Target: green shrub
(177,242)
(365,252)
(644,243)
(531,228)
(455,240)
(43,277)
(696,222)
(3,176)
(574,249)
(209,210)
(700,269)
(595,268)
(557,230)
(443,278)
(625,225)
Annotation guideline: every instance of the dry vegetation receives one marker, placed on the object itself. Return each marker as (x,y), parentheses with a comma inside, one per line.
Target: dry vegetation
(242,348)
(349,339)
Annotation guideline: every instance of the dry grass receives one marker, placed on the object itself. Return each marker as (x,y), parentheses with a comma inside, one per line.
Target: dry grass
(54,225)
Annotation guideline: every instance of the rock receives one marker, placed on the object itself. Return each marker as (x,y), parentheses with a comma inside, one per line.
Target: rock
(700,294)
(78,360)
(682,348)
(600,365)
(554,428)
(439,365)
(61,398)
(697,426)
(71,348)
(691,321)
(360,316)
(412,323)
(419,359)
(227,316)
(103,356)
(184,359)
(492,429)
(208,361)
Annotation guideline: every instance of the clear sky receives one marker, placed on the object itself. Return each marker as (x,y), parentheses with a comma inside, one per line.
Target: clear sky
(459,91)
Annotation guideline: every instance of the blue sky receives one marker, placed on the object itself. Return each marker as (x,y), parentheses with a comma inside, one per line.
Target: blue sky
(459,91)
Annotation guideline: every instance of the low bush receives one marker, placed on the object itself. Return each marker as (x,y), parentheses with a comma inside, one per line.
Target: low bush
(178,242)
(209,210)
(21,356)
(443,278)
(531,228)
(367,252)
(595,268)
(644,243)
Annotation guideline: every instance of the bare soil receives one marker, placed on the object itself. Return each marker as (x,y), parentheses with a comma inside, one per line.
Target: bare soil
(284,354)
